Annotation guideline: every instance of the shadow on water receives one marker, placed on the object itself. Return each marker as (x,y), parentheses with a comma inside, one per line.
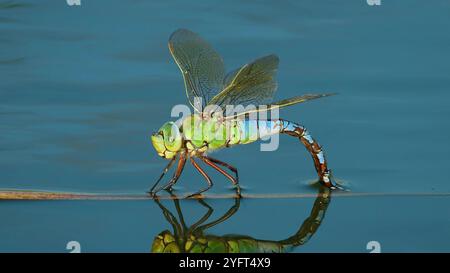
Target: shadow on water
(194,239)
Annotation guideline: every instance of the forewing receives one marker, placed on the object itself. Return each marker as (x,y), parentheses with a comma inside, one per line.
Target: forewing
(202,67)
(254,83)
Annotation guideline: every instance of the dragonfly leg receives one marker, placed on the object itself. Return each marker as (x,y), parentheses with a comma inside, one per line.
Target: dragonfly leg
(226,165)
(166,169)
(211,162)
(176,175)
(178,172)
(314,149)
(204,174)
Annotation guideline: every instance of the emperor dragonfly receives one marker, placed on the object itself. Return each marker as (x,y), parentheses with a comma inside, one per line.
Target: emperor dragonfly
(254,83)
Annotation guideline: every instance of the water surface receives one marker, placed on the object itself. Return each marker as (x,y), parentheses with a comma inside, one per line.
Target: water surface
(82,88)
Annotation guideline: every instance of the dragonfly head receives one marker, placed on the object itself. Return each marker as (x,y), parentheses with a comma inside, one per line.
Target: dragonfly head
(167,141)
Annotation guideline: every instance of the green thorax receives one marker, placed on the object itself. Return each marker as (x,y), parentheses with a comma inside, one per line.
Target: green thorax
(214,133)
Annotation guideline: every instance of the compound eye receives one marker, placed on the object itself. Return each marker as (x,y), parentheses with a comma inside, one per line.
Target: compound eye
(158,143)
(172,137)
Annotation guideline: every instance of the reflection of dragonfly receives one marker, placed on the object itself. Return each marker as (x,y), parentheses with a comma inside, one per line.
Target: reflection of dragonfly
(207,130)
(194,239)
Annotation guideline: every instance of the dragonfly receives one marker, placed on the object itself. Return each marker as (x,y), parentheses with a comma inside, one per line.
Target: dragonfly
(195,239)
(209,90)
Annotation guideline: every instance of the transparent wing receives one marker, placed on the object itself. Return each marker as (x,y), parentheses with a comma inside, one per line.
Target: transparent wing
(282,103)
(230,76)
(254,83)
(202,67)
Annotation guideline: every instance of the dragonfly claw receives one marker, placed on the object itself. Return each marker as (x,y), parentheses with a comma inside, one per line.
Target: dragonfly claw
(152,194)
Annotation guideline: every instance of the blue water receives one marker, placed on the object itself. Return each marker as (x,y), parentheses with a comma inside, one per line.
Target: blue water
(83,87)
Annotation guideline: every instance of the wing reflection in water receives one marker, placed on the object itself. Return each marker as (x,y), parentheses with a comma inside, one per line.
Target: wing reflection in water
(194,239)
